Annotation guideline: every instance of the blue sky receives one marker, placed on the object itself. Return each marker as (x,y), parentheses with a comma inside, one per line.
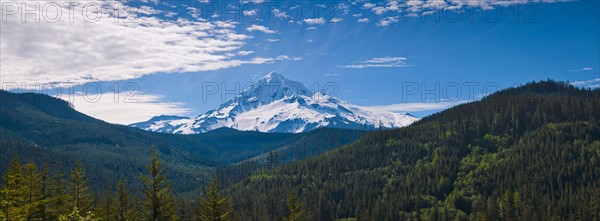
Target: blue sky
(370,51)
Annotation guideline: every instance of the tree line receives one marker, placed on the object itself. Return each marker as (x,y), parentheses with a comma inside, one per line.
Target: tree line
(29,192)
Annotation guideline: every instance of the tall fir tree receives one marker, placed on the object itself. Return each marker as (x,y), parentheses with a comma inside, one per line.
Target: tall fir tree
(295,209)
(159,202)
(12,197)
(212,207)
(57,194)
(123,207)
(79,194)
(32,188)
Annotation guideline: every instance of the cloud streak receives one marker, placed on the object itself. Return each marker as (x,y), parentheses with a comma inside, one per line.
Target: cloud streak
(381,62)
(260,28)
(125,109)
(419,106)
(594,83)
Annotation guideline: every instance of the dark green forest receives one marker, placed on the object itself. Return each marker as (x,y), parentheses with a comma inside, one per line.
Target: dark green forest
(525,153)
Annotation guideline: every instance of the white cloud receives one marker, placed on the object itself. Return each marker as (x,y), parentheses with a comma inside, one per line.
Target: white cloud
(331,75)
(272,39)
(315,21)
(418,106)
(148,10)
(250,12)
(387,21)
(336,20)
(243,53)
(357,15)
(594,83)
(363,20)
(288,58)
(280,14)
(80,51)
(124,108)
(416,7)
(369,5)
(382,62)
(261,29)
(583,69)
(253,1)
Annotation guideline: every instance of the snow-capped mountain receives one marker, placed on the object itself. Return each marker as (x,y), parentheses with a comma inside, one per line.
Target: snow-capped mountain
(277,104)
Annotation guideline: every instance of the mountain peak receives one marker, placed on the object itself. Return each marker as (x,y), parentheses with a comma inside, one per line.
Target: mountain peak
(273,76)
(274,86)
(277,104)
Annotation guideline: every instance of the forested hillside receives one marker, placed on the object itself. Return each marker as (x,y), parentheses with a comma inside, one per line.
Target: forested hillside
(526,153)
(43,129)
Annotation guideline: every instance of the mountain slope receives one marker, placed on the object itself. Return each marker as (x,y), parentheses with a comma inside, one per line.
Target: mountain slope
(527,153)
(45,129)
(277,104)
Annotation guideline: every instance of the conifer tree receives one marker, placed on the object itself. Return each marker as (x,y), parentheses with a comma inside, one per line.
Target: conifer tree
(45,181)
(295,208)
(159,202)
(78,189)
(212,207)
(123,206)
(57,194)
(31,186)
(12,195)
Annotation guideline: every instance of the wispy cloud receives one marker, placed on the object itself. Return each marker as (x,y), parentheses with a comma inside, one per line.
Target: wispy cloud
(125,108)
(582,69)
(336,20)
(382,62)
(594,83)
(106,50)
(387,21)
(249,13)
(314,21)
(260,28)
(419,106)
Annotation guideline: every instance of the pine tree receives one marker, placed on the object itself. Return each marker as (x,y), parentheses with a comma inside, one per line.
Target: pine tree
(12,195)
(31,186)
(296,212)
(106,208)
(159,202)
(78,189)
(123,206)
(45,181)
(57,194)
(212,207)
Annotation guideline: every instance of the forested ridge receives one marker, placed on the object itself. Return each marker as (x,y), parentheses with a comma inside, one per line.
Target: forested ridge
(44,129)
(525,153)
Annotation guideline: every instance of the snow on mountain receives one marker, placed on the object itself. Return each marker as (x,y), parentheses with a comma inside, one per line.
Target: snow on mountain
(277,104)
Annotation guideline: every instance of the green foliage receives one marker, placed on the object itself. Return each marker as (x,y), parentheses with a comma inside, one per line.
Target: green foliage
(79,194)
(213,207)
(74,216)
(46,129)
(124,210)
(159,201)
(527,153)
(295,208)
